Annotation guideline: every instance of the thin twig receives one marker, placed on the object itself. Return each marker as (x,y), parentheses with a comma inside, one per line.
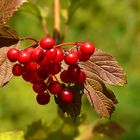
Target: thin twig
(56,25)
(44,25)
(28,38)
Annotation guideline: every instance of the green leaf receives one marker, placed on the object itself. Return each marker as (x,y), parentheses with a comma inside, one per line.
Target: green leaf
(74,5)
(17,135)
(31,9)
(7,8)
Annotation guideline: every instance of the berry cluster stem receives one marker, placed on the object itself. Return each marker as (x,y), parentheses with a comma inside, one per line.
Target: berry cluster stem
(67,43)
(29,38)
(44,25)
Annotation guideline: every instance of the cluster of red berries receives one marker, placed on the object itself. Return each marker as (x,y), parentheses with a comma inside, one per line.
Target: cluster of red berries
(39,65)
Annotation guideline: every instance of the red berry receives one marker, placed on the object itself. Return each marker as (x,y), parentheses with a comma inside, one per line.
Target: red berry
(55,87)
(55,69)
(73,70)
(17,69)
(12,54)
(87,48)
(47,43)
(43,72)
(65,77)
(27,76)
(46,62)
(66,95)
(39,87)
(51,54)
(59,56)
(24,57)
(37,54)
(36,78)
(83,57)
(71,58)
(81,77)
(43,98)
(30,66)
(29,49)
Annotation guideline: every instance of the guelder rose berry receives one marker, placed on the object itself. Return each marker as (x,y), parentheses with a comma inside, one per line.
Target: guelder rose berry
(43,98)
(55,87)
(37,54)
(81,77)
(17,69)
(12,54)
(71,58)
(83,57)
(87,48)
(24,57)
(47,43)
(66,95)
(39,87)
(73,70)
(59,56)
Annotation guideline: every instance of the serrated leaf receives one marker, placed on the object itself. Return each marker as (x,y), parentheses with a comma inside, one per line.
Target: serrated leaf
(5,65)
(8,36)
(7,8)
(110,129)
(17,135)
(31,9)
(94,90)
(72,109)
(104,67)
(8,39)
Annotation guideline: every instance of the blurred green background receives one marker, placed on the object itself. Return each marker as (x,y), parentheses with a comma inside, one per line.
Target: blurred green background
(114,26)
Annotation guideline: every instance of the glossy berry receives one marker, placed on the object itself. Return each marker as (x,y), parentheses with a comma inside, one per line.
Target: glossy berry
(55,87)
(37,54)
(65,77)
(66,95)
(43,72)
(36,78)
(51,54)
(55,69)
(73,70)
(24,57)
(87,48)
(29,49)
(12,54)
(71,58)
(27,76)
(46,62)
(81,77)
(43,98)
(47,43)
(83,57)
(17,69)
(39,87)
(59,56)
(31,66)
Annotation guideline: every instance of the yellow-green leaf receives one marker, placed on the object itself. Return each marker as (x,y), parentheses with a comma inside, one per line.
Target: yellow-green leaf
(17,135)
